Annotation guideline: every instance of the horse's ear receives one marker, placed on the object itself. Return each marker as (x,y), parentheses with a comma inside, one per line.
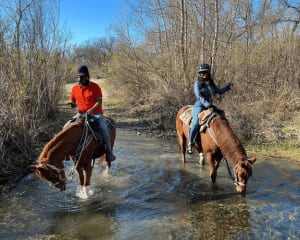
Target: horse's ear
(252,160)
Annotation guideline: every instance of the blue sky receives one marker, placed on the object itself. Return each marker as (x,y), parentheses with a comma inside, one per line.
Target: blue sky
(89,19)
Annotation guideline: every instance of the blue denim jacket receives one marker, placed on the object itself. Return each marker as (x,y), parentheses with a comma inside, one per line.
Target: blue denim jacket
(204,93)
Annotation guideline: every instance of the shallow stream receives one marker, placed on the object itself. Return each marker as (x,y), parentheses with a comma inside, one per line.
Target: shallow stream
(149,194)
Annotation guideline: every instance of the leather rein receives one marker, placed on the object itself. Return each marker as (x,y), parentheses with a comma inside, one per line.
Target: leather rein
(85,140)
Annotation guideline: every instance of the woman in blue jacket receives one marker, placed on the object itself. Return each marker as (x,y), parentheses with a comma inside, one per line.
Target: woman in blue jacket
(204,89)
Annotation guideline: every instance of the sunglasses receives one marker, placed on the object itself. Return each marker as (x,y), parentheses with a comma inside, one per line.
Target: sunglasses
(81,76)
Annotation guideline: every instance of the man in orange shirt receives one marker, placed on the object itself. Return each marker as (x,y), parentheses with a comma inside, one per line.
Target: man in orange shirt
(87,96)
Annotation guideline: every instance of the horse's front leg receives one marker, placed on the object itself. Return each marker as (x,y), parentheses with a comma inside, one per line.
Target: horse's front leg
(85,173)
(82,191)
(211,164)
(87,179)
(80,175)
(87,176)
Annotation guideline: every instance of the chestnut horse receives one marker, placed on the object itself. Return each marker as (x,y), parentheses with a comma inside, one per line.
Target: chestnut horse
(218,141)
(75,141)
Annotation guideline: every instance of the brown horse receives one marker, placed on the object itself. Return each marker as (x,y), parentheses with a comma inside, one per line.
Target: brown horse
(218,141)
(65,144)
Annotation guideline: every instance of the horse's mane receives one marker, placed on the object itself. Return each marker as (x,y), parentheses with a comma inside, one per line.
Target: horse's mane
(58,139)
(230,145)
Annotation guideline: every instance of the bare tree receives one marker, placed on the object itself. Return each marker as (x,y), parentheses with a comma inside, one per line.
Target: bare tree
(31,77)
(216,33)
(247,42)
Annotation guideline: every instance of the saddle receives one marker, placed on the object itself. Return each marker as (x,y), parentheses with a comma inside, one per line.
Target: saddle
(204,117)
(92,122)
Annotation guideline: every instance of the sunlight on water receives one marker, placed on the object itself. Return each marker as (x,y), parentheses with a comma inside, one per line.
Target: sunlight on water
(149,194)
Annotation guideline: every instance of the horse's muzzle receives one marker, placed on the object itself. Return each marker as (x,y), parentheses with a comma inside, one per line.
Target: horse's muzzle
(61,185)
(240,189)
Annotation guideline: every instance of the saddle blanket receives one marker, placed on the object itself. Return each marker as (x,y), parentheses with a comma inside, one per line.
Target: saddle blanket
(186,116)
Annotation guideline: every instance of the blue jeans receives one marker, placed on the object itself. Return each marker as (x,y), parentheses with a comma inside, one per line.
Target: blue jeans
(195,127)
(104,131)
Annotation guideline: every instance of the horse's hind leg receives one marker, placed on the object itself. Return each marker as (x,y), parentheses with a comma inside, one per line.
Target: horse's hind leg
(102,159)
(182,146)
(201,158)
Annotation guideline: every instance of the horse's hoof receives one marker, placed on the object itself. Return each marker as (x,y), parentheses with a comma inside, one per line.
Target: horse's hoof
(213,179)
(84,192)
(82,195)
(90,191)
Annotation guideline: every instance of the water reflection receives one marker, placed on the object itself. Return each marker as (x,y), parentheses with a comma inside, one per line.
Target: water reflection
(149,194)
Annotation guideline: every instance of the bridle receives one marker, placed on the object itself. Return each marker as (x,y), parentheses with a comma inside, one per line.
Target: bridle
(234,176)
(60,172)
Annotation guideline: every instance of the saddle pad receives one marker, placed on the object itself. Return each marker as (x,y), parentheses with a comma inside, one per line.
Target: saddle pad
(186,116)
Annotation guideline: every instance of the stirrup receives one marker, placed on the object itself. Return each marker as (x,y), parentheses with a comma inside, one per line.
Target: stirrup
(190,148)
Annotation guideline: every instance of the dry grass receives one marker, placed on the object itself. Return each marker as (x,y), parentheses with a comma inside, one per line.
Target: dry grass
(285,149)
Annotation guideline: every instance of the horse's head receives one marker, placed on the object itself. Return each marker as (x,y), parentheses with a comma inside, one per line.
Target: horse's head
(242,172)
(52,173)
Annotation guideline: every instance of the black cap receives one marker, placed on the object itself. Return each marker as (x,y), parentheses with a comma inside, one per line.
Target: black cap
(83,71)
(203,67)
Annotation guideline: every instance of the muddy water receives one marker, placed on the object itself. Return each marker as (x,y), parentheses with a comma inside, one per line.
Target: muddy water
(149,194)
